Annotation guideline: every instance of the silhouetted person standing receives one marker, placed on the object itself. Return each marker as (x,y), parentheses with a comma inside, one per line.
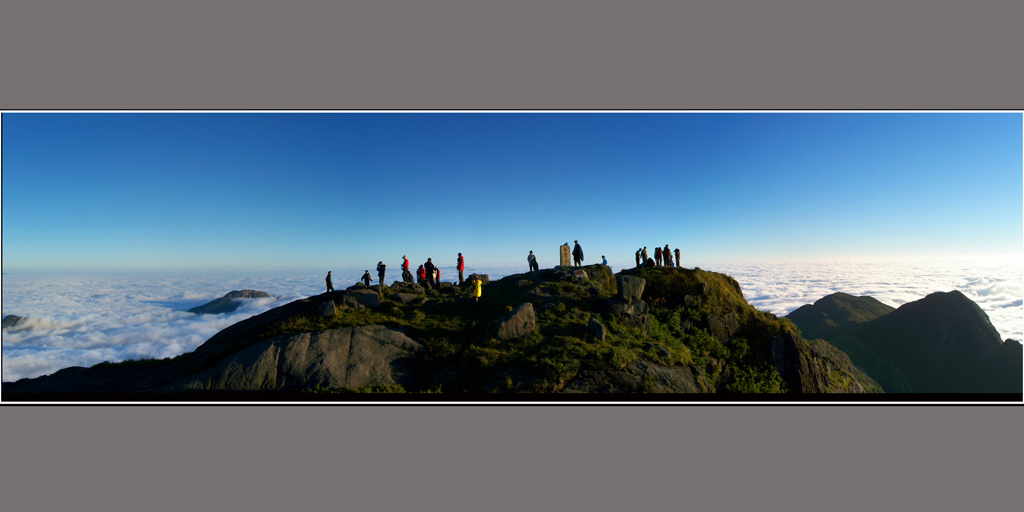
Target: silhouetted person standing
(367,278)
(381,267)
(330,285)
(657,256)
(532,260)
(461,265)
(638,258)
(429,267)
(677,256)
(577,253)
(643,255)
(666,254)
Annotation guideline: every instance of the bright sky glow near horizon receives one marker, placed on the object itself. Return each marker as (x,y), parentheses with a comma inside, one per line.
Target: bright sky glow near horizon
(208,191)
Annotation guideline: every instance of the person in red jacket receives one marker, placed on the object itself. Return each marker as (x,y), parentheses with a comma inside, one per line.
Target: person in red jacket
(406,276)
(461,266)
(421,274)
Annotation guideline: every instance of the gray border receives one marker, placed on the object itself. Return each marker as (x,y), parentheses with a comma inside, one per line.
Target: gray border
(873,55)
(549,55)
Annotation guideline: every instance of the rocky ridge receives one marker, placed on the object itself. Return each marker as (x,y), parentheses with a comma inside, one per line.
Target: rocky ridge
(563,330)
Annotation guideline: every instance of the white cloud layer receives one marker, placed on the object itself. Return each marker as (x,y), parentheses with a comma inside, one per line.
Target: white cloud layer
(87,318)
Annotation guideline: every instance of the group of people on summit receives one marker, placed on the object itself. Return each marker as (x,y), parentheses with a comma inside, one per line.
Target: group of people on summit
(662,257)
(427,273)
(430,274)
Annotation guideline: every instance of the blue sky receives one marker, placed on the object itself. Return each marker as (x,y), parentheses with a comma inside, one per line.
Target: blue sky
(139,191)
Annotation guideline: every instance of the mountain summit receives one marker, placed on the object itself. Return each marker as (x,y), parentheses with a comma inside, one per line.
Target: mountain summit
(837,312)
(563,331)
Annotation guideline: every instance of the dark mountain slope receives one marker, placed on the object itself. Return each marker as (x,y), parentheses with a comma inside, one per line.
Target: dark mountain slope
(943,343)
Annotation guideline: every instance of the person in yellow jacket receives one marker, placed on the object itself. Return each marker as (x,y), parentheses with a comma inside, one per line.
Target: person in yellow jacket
(477,288)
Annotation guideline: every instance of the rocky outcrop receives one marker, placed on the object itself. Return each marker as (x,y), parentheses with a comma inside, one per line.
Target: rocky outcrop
(640,377)
(353,357)
(227,303)
(361,299)
(520,322)
(410,288)
(817,367)
(789,361)
(633,314)
(328,309)
(564,344)
(631,288)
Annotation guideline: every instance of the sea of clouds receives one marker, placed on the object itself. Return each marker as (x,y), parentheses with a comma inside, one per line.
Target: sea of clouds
(81,319)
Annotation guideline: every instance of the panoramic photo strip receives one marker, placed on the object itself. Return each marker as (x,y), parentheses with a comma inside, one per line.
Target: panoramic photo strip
(512,257)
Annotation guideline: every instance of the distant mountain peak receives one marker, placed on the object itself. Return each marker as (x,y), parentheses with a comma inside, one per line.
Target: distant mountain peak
(228,302)
(836,312)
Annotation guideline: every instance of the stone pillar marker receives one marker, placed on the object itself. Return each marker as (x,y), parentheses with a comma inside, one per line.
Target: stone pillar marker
(563,256)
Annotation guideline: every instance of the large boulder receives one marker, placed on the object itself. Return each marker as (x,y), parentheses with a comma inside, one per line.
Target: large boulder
(405,298)
(361,299)
(352,357)
(484,278)
(580,276)
(412,288)
(520,322)
(327,309)
(630,287)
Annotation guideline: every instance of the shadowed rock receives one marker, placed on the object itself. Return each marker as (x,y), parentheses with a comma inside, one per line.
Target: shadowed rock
(630,287)
(361,299)
(520,322)
(327,309)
